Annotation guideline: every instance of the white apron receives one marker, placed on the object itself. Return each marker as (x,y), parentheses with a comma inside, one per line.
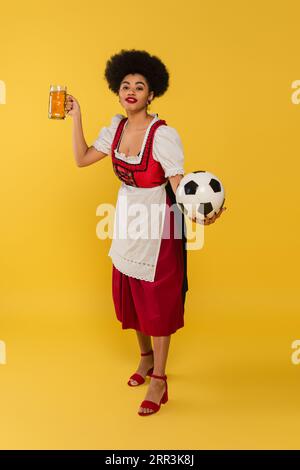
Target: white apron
(138,231)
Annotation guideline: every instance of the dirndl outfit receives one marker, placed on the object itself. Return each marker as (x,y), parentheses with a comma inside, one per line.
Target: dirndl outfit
(149,272)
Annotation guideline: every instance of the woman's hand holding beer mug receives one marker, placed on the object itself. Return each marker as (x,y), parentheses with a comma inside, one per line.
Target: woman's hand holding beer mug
(72,106)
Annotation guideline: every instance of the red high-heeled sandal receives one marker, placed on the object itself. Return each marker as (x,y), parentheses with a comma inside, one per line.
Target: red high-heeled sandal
(137,377)
(151,404)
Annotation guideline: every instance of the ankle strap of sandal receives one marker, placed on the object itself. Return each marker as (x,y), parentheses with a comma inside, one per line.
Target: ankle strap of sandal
(163,377)
(147,353)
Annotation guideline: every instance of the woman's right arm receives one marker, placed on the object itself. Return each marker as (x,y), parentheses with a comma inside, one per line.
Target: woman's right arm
(83,154)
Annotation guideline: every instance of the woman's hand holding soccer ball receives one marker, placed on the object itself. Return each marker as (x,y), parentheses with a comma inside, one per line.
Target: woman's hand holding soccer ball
(211,220)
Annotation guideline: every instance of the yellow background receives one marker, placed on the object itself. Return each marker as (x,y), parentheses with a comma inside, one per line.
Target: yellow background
(231,380)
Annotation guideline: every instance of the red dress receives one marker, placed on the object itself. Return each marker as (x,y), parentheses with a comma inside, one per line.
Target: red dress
(153,308)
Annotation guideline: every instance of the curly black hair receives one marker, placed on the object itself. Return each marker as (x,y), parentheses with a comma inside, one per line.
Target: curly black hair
(137,61)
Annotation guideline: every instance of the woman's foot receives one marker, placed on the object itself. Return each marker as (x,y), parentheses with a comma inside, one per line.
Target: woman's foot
(146,362)
(154,393)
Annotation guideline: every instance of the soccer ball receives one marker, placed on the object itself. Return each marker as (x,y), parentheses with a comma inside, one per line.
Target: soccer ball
(200,194)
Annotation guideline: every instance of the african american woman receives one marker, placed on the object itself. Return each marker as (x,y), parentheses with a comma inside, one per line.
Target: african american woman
(149,274)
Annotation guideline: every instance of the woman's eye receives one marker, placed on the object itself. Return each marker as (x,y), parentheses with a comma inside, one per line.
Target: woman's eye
(138,88)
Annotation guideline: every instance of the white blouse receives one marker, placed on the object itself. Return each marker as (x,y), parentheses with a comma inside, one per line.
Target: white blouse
(167,146)
(138,257)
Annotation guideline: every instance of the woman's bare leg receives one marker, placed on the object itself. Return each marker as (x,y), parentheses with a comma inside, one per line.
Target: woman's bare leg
(144,342)
(161,348)
(157,386)
(146,362)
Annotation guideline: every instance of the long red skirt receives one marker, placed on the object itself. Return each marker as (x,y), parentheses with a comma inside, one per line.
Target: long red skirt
(154,308)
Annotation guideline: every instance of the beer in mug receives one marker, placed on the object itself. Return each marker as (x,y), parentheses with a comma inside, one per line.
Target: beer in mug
(57,102)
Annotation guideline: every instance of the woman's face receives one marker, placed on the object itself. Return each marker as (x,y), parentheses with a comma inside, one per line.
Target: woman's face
(136,86)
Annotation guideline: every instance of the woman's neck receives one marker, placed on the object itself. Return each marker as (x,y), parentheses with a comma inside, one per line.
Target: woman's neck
(138,120)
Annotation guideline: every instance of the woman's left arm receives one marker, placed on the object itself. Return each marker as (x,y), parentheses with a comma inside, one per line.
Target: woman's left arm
(174,181)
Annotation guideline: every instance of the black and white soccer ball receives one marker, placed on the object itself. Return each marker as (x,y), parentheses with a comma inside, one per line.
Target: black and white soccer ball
(200,194)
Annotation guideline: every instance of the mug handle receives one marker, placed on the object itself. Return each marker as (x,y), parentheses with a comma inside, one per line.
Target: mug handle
(65,104)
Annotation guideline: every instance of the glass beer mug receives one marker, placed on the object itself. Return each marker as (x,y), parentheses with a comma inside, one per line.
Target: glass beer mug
(57,102)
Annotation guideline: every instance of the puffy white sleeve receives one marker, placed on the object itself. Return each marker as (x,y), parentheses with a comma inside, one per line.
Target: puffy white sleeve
(168,150)
(106,135)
